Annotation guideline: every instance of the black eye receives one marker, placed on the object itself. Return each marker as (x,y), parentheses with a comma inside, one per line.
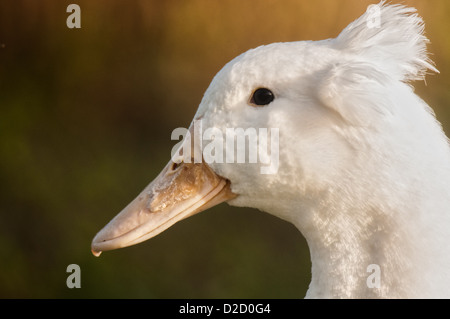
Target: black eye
(262,96)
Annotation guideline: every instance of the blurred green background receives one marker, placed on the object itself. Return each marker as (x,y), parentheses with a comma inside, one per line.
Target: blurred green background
(85,122)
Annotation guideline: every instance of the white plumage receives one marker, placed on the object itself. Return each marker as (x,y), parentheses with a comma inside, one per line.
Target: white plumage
(364,167)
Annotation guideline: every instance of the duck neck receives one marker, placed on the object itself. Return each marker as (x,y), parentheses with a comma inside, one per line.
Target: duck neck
(355,266)
(366,252)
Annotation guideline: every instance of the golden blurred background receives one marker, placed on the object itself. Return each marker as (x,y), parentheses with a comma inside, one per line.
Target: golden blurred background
(85,122)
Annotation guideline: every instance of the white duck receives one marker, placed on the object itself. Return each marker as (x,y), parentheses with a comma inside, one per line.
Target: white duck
(364,167)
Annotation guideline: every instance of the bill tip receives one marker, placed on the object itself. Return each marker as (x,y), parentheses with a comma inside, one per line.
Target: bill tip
(96,253)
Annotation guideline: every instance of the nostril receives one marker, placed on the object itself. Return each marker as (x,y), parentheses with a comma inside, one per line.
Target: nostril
(175,166)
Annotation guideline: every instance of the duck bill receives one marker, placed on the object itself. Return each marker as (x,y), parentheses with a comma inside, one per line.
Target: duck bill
(179,191)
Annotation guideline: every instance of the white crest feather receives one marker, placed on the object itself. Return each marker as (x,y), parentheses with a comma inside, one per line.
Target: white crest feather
(395,41)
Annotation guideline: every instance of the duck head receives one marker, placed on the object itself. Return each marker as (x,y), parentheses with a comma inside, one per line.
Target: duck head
(303,107)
